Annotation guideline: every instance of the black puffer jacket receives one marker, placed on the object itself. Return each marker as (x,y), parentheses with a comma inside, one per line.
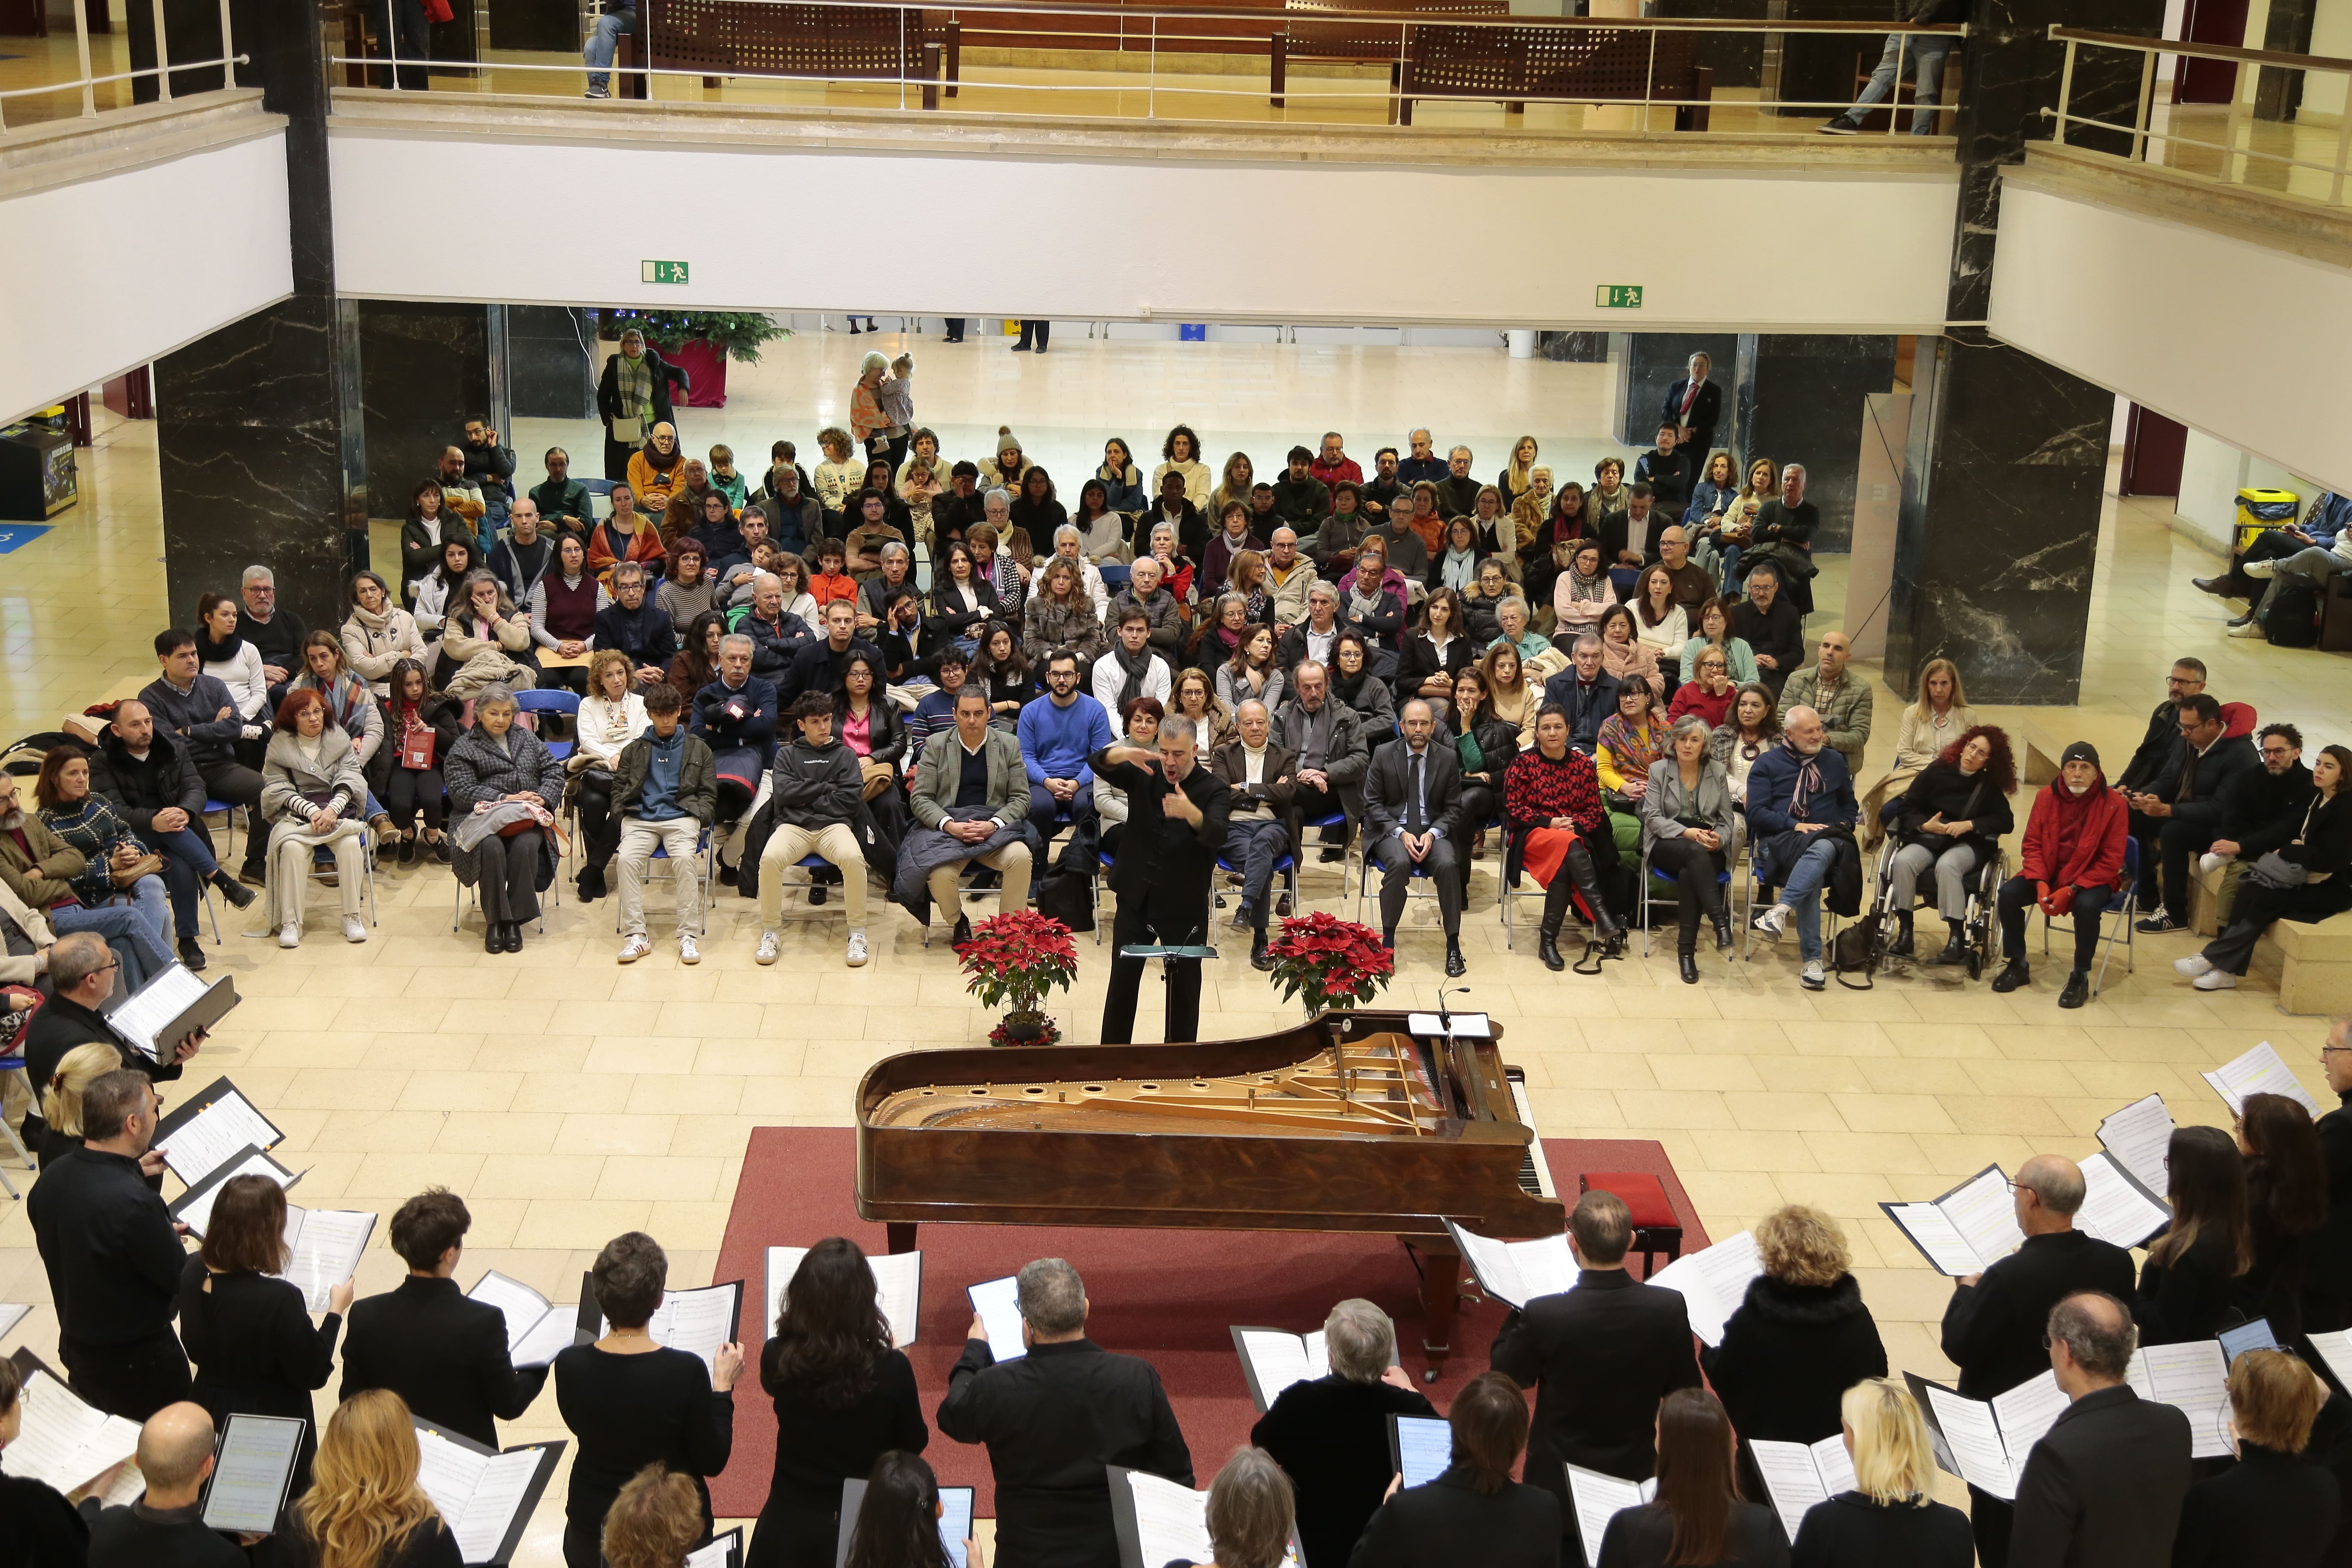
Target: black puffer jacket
(1788,1356)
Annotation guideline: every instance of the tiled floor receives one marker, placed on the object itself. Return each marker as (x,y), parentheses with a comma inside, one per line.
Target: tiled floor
(570,1098)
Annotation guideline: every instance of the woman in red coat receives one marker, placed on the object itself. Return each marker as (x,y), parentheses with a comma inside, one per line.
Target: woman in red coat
(2072,866)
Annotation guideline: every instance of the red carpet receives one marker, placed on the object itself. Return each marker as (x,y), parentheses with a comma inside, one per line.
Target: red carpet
(1167,1295)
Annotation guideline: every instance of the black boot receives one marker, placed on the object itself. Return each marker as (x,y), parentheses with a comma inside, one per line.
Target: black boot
(1548,945)
(2012,974)
(1259,960)
(1688,960)
(191,954)
(1901,946)
(1720,918)
(1956,946)
(1607,928)
(238,895)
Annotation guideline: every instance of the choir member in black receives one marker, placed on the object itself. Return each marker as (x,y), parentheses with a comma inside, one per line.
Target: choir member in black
(2190,1282)
(844,1399)
(164,1528)
(1473,1512)
(631,1402)
(2286,1202)
(898,1526)
(1699,1517)
(40,1527)
(1053,1418)
(366,1509)
(112,1258)
(2327,1261)
(1177,813)
(2273,1507)
(444,1355)
(1250,1513)
(1331,1434)
(247,1331)
(654,1523)
(1891,1516)
(84,972)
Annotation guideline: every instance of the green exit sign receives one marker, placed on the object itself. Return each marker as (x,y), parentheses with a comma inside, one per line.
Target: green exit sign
(675,272)
(1606,296)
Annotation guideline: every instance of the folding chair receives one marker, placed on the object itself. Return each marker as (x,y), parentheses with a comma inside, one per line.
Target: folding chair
(228,829)
(550,699)
(1298,846)
(1655,884)
(2120,917)
(1419,873)
(706,850)
(467,895)
(14,1067)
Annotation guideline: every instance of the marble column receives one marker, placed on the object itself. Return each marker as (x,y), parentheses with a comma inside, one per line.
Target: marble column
(258,430)
(552,362)
(2007,461)
(425,371)
(1803,398)
(1652,363)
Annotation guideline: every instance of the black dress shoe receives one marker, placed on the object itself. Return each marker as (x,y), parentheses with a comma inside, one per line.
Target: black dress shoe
(238,895)
(1332,854)
(962,932)
(2078,989)
(816,892)
(1259,958)
(2012,974)
(1455,967)
(2246,620)
(191,954)
(1956,951)
(514,936)
(494,938)
(1689,963)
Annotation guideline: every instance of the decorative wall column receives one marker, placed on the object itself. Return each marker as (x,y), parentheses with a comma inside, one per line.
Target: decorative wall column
(1804,398)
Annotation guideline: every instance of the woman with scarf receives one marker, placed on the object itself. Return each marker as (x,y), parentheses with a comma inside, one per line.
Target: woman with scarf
(1175,572)
(1371,604)
(1485,745)
(379,633)
(1457,566)
(1248,578)
(633,395)
(627,535)
(229,658)
(312,795)
(429,524)
(1952,821)
(496,764)
(114,859)
(1353,682)
(1552,811)
(1752,730)
(1518,477)
(1723,538)
(1582,593)
(351,704)
(437,593)
(1625,655)
(2307,879)
(1545,556)
(1606,509)
(1123,491)
(423,726)
(2070,866)
(1630,743)
(1687,833)
(1220,636)
(484,641)
(656,471)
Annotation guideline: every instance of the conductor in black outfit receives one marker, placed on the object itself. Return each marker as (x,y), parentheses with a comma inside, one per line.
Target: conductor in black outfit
(1053,1418)
(1177,815)
(443,1354)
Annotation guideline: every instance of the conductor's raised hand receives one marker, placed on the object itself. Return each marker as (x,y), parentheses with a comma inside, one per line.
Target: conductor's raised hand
(1177,804)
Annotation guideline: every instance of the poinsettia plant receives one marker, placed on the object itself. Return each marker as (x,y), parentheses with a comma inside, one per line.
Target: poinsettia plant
(1330,962)
(1014,959)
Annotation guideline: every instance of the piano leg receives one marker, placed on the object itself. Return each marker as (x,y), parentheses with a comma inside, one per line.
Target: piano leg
(902,1236)
(1441,1284)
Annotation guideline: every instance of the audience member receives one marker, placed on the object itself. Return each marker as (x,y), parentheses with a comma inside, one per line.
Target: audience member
(1129,669)
(2178,816)
(423,726)
(42,1527)
(1631,742)
(1002,673)
(430,530)
(1486,746)
(1316,637)
(632,626)
(1551,806)
(688,588)
(1992,1328)
(2190,1283)
(1057,735)
(2274,1506)
(115,864)
(1840,696)
(631,1402)
(2104,1486)
(1585,693)
(1262,775)
(611,716)
(2287,1203)
(484,643)
(1474,1512)
(665,796)
(195,709)
(563,502)
(1783,536)
(1374,606)
(165,1528)
(736,717)
(379,633)
(1891,1515)
(442,1352)
(817,795)
(1686,832)
(1709,694)
(312,797)
(524,555)
(2071,865)
(2263,809)
(2303,879)
(1800,1337)
(1938,719)
(276,634)
(1728,535)
(2308,570)
(368,1509)
(1627,659)
(1355,682)
(1327,739)
(1801,808)
(443,588)
(505,787)
(971,799)
(351,706)
(562,611)
(1412,792)
(112,1257)
(1952,822)
(1053,1418)
(628,534)
(1712,628)
(1699,1516)
(1331,1435)
(777,632)
(817,665)
(1772,626)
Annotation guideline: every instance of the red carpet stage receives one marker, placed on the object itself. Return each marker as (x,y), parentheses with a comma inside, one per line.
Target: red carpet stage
(1167,1295)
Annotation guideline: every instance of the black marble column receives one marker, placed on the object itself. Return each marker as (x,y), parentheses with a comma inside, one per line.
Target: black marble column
(425,371)
(2007,461)
(1653,362)
(1802,399)
(551,361)
(256,425)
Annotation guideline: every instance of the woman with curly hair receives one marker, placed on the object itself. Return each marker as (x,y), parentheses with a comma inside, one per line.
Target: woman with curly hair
(1182,451)
(1952,818)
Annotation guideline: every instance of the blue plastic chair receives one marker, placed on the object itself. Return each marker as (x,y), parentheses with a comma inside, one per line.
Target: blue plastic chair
(1419,873)
(1115,575)
(705,849)
(1334,819)
(1285,871)
(550,699)
(1656,884)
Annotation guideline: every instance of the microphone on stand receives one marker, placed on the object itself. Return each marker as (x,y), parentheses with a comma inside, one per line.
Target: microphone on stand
(1445,1018)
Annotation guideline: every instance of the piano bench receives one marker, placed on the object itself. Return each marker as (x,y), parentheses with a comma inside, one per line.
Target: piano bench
(1656,1228)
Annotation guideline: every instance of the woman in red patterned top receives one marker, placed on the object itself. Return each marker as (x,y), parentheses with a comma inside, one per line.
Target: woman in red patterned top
(1551,806)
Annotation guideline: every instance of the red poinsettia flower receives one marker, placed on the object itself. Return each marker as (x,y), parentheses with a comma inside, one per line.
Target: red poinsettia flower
(1016,957)
(1329,961)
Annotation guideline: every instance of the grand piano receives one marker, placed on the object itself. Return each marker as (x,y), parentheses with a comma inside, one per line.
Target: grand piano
(1351,1121)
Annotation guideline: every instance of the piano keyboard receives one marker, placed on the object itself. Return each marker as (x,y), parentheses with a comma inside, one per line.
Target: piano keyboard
(1535,1175)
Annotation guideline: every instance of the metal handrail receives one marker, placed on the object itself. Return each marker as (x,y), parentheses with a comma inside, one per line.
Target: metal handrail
(87,83)
(2197,51)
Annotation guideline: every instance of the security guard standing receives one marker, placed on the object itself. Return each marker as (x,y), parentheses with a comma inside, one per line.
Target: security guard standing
(1177,813)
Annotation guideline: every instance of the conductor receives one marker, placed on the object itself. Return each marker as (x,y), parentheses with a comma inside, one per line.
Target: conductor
(1177,813)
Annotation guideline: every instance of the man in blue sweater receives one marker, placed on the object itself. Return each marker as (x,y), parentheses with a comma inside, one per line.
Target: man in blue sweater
(1792,803)
(194,709)
(1057,735)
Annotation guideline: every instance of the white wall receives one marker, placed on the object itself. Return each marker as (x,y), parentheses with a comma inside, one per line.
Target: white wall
(108,274)
(2218,333)
(2211,474)
(1864,254)
(2331,35)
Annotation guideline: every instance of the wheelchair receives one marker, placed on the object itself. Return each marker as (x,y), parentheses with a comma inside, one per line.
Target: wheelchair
(1980,927)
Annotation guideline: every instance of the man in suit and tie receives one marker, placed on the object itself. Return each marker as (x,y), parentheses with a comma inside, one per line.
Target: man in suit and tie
(1411,793)
(1178,815)
(1692,405)
(1993,1325)
(2104,1486)
(443,1352)
(1600,1357)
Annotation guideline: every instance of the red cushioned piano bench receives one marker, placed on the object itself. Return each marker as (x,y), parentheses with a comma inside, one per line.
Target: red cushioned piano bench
(1657,1229)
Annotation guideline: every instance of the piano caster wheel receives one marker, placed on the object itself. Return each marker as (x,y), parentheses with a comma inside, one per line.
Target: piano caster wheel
(1430,1375)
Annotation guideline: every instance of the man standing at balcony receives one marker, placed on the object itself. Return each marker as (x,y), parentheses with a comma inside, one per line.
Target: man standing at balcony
(615,17)
(1926,54)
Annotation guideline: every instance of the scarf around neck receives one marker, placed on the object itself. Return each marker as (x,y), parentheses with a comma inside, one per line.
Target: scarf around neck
(1134,667)
(218,650)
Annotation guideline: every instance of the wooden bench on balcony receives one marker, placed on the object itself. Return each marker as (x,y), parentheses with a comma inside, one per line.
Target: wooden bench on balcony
(1358,41)
(828,43)
(1587,65)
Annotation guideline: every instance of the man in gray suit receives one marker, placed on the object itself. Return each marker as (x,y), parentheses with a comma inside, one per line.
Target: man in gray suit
(1411,794)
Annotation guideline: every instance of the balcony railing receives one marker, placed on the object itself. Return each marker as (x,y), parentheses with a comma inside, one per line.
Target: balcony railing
(2241,138)
(53,99)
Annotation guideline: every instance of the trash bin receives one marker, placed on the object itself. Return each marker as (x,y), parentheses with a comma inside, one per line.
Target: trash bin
(2261,509)
(37,472)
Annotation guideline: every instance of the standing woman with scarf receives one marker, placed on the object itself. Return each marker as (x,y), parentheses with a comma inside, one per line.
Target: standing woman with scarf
(633,396)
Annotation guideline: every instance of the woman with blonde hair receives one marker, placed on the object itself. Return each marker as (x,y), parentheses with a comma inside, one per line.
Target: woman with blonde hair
(1235,486)
(364,1508)
(1940,716)
(1518,478)
(656,1521)
(1801,1337)
(60,1119)
(1890,1515)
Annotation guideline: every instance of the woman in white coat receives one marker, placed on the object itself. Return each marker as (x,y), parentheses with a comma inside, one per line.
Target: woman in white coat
(312,793)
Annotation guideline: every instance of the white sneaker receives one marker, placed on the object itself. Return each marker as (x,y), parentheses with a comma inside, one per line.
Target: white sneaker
(354,928)
(1814,978)
(2251,629)
(2217,980)
(2194,966)
(290,934)
(2210,862)
(771,947)
(2260,569)
(1773,920)
(857,950)
(636,948)
(687,952)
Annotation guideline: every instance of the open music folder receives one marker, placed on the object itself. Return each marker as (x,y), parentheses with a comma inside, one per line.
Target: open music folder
(1984,1442)
(2259,1071)
(997,1304)
(486,1497)
(211,1128)
(11,1314)
(2116,1207)
(252,1470)
(326,1247)
(1516,1272)
(1800,1475)
(699,1321)
(67,1442)
(2141,1137)
(955,1520)
(2334,1348)
(897,1287)
(724,1549)
(194,1208)
(1713,1282)
(2193,1378)
(1421,1448)
(1598,1498)
(1161,1522)
(1274,1359)
(171,1006)
(537,1328)
(1966,1230)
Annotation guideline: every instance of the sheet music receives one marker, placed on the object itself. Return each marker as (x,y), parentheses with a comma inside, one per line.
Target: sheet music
(897,1287)
(2141,1137)
(1713,1282)
(723,1551)
(499,1492)
(2114,1209)
(213,1135)
(523,1307)
(1599,1499)
(1172,1520)
(1966,1230)
(997,1303)
(327,1245)
(2259,1071)
(1973,1439)
(63,1441)
(699,1321)
(2193,1378)
(1276,1359)
(2025,1413)
(251,1471)
(955,1522)
(1792,1477)
(11,1314)
(1516,1272)
(1424,1449)
(2334,1348)
(194,1208)
(168,994)
(1835,1465)
(1932,1231)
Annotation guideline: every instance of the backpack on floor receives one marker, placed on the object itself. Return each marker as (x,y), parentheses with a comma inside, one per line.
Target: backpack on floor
(2293,619)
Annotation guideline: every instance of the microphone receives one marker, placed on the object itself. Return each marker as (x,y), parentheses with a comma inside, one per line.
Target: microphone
(1445,1018)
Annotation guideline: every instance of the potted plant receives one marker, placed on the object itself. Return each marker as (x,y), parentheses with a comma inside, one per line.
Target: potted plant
(1333,964)
(1014,959)
(701,341)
